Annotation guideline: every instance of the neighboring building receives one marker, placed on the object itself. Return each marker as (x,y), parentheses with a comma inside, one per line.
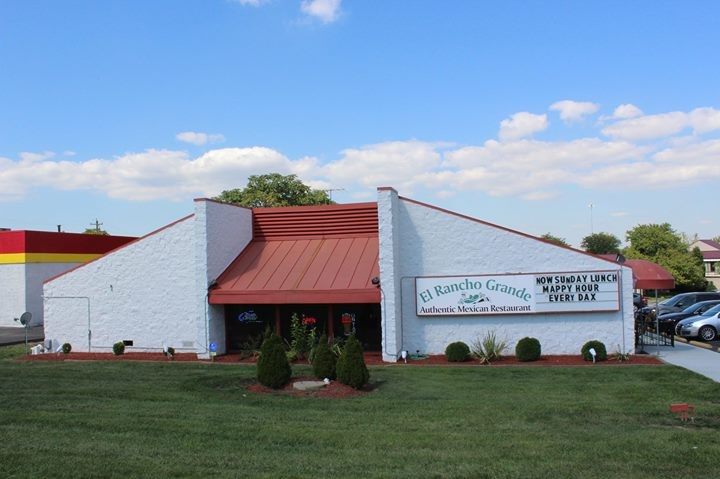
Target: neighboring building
(401,274)
(27,258)
(711,259)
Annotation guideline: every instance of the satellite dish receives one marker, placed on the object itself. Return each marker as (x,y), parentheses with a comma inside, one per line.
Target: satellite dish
(25,318)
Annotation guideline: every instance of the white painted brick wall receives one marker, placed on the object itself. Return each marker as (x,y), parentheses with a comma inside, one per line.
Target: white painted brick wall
(143,292)
(433,242)
(12,293)
(221,232)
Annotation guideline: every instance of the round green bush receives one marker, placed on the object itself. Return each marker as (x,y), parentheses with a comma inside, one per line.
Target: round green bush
(66,348)
(324,360)
(527,349)
(119,348)
(600,351)
(273,368)
(351,368)
(457,352)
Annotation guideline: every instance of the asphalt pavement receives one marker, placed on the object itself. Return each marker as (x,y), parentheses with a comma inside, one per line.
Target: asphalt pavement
(10,335)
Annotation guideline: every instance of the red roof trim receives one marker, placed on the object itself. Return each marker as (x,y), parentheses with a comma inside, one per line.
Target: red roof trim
(347,296)
(28,241)
(492,225)
(119,248)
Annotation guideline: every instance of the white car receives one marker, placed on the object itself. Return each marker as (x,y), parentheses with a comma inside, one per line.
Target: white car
(705,327)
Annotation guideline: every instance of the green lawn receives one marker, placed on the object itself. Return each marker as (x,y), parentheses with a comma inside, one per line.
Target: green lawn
(130,419)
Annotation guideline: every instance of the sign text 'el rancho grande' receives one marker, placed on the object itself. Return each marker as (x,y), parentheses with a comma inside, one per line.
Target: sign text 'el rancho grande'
(581,291)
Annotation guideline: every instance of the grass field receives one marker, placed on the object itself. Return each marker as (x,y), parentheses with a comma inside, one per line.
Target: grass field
(129,419)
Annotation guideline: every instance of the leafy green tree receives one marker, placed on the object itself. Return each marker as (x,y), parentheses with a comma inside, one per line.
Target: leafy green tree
(601,243)
(324,360)
(661,244)
(351,368)
(555,239)
(273,368)
(275,189)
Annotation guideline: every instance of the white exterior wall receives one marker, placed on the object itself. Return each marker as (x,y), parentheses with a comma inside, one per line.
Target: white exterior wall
(143,292)
(21,288)
(221,232)
(437,243)
(12,293)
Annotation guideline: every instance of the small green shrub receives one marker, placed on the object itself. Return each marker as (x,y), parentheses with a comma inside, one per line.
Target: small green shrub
(457,352)
(273,368)
(291,355)
(119,348)
(171,352)
(66,348)
(527,349)
(324,360)
(489,348)
(598,346)
(351,368)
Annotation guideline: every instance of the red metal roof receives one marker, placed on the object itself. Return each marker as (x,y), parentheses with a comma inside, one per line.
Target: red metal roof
(306,255)
(649,275)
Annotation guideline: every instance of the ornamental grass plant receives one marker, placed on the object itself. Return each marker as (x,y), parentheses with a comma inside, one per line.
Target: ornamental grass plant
(488,348)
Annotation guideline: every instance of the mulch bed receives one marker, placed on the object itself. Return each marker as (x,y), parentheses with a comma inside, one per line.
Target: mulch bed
(334,390)
(371,359)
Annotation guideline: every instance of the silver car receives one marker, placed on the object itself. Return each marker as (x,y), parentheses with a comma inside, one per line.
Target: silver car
(705,326)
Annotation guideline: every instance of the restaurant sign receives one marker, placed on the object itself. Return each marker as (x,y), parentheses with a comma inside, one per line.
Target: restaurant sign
(578,291)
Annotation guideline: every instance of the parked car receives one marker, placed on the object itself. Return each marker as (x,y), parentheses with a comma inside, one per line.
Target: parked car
(679,302)
(668,321)
(705,326)
(639,300)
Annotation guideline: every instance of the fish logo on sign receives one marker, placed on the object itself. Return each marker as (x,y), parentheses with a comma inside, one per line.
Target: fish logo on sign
(473,298)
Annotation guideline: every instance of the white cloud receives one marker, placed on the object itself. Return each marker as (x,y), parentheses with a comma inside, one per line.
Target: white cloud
(619,214)
(648,127)
(384,164)
(626,110)
(522,124)
(145,176)
(199,138)
(512,166)
(29,157)
(327,11)
(571,111)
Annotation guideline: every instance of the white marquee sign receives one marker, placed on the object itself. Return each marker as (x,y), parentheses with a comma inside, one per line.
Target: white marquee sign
(577,291)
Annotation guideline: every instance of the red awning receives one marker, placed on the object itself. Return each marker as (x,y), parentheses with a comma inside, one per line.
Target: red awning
(649,275)
(306,255)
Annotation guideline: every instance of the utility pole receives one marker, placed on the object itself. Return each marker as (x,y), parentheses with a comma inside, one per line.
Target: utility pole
(591,218)
(330,191)
(97,225)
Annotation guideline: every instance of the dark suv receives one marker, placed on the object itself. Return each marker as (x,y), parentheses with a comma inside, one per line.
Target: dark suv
(680,301)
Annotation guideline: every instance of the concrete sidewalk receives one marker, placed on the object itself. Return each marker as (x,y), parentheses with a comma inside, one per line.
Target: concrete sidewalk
(696,359)
(17,335)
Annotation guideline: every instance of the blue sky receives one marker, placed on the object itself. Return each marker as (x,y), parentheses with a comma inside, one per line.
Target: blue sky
(517,113)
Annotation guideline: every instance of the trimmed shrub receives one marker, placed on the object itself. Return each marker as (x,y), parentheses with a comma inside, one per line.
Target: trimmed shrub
(66,348)
(119,348)
(598,346)
(351,368)
(527,349)
(273,368)
(324,360)
(457,352)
